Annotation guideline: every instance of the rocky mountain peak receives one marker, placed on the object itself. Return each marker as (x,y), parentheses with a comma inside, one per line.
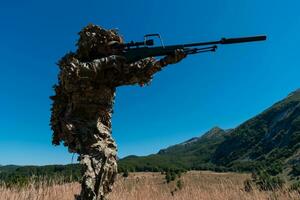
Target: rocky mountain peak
(295,93)
(215,131)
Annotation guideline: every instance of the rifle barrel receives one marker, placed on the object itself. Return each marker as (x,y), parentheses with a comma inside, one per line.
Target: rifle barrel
(229,41)
(243,39)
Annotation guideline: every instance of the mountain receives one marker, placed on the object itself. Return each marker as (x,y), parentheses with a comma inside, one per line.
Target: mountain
(270,140)
(195,153)
(8,168)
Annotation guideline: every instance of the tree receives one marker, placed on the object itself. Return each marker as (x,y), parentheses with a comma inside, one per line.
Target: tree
(126,173)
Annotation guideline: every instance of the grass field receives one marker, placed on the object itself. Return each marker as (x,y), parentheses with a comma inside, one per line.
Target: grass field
(152,186)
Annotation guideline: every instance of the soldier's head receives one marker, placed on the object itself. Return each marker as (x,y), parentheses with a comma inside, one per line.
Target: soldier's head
(95,41)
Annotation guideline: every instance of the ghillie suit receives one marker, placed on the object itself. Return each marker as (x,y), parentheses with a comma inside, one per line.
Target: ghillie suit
(83,104)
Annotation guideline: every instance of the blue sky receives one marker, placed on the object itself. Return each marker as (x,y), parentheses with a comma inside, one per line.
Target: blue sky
(184,100)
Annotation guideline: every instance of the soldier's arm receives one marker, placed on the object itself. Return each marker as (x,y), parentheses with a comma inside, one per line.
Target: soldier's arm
(105,68)
(141,72)
(113,69)
(170,59)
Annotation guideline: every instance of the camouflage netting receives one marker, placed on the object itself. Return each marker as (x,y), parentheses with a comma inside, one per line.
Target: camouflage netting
(83,104)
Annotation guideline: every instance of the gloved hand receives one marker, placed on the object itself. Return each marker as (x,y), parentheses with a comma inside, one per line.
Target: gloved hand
(174,58)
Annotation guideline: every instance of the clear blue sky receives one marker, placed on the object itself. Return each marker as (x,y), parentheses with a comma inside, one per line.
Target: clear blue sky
(183,101)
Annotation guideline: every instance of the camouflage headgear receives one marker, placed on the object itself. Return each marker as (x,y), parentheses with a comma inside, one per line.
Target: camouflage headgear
(93,39)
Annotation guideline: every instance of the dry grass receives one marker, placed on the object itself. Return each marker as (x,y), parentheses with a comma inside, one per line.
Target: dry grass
(40,192)
(152,186)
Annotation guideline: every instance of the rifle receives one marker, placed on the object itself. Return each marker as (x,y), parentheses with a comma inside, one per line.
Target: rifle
(134,51)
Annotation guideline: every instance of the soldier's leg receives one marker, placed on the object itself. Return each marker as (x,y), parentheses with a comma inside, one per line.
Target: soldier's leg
(100,169)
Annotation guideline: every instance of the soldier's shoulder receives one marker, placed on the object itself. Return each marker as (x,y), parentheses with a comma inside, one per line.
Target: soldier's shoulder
(68,61)
(67,57)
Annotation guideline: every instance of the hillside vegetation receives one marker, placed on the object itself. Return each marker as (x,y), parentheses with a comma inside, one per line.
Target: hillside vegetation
(269,141)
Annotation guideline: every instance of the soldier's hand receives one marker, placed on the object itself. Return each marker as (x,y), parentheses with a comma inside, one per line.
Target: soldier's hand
(116,59)
(176,57)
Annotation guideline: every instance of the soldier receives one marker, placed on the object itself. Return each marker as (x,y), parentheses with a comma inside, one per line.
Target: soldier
(83,103)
